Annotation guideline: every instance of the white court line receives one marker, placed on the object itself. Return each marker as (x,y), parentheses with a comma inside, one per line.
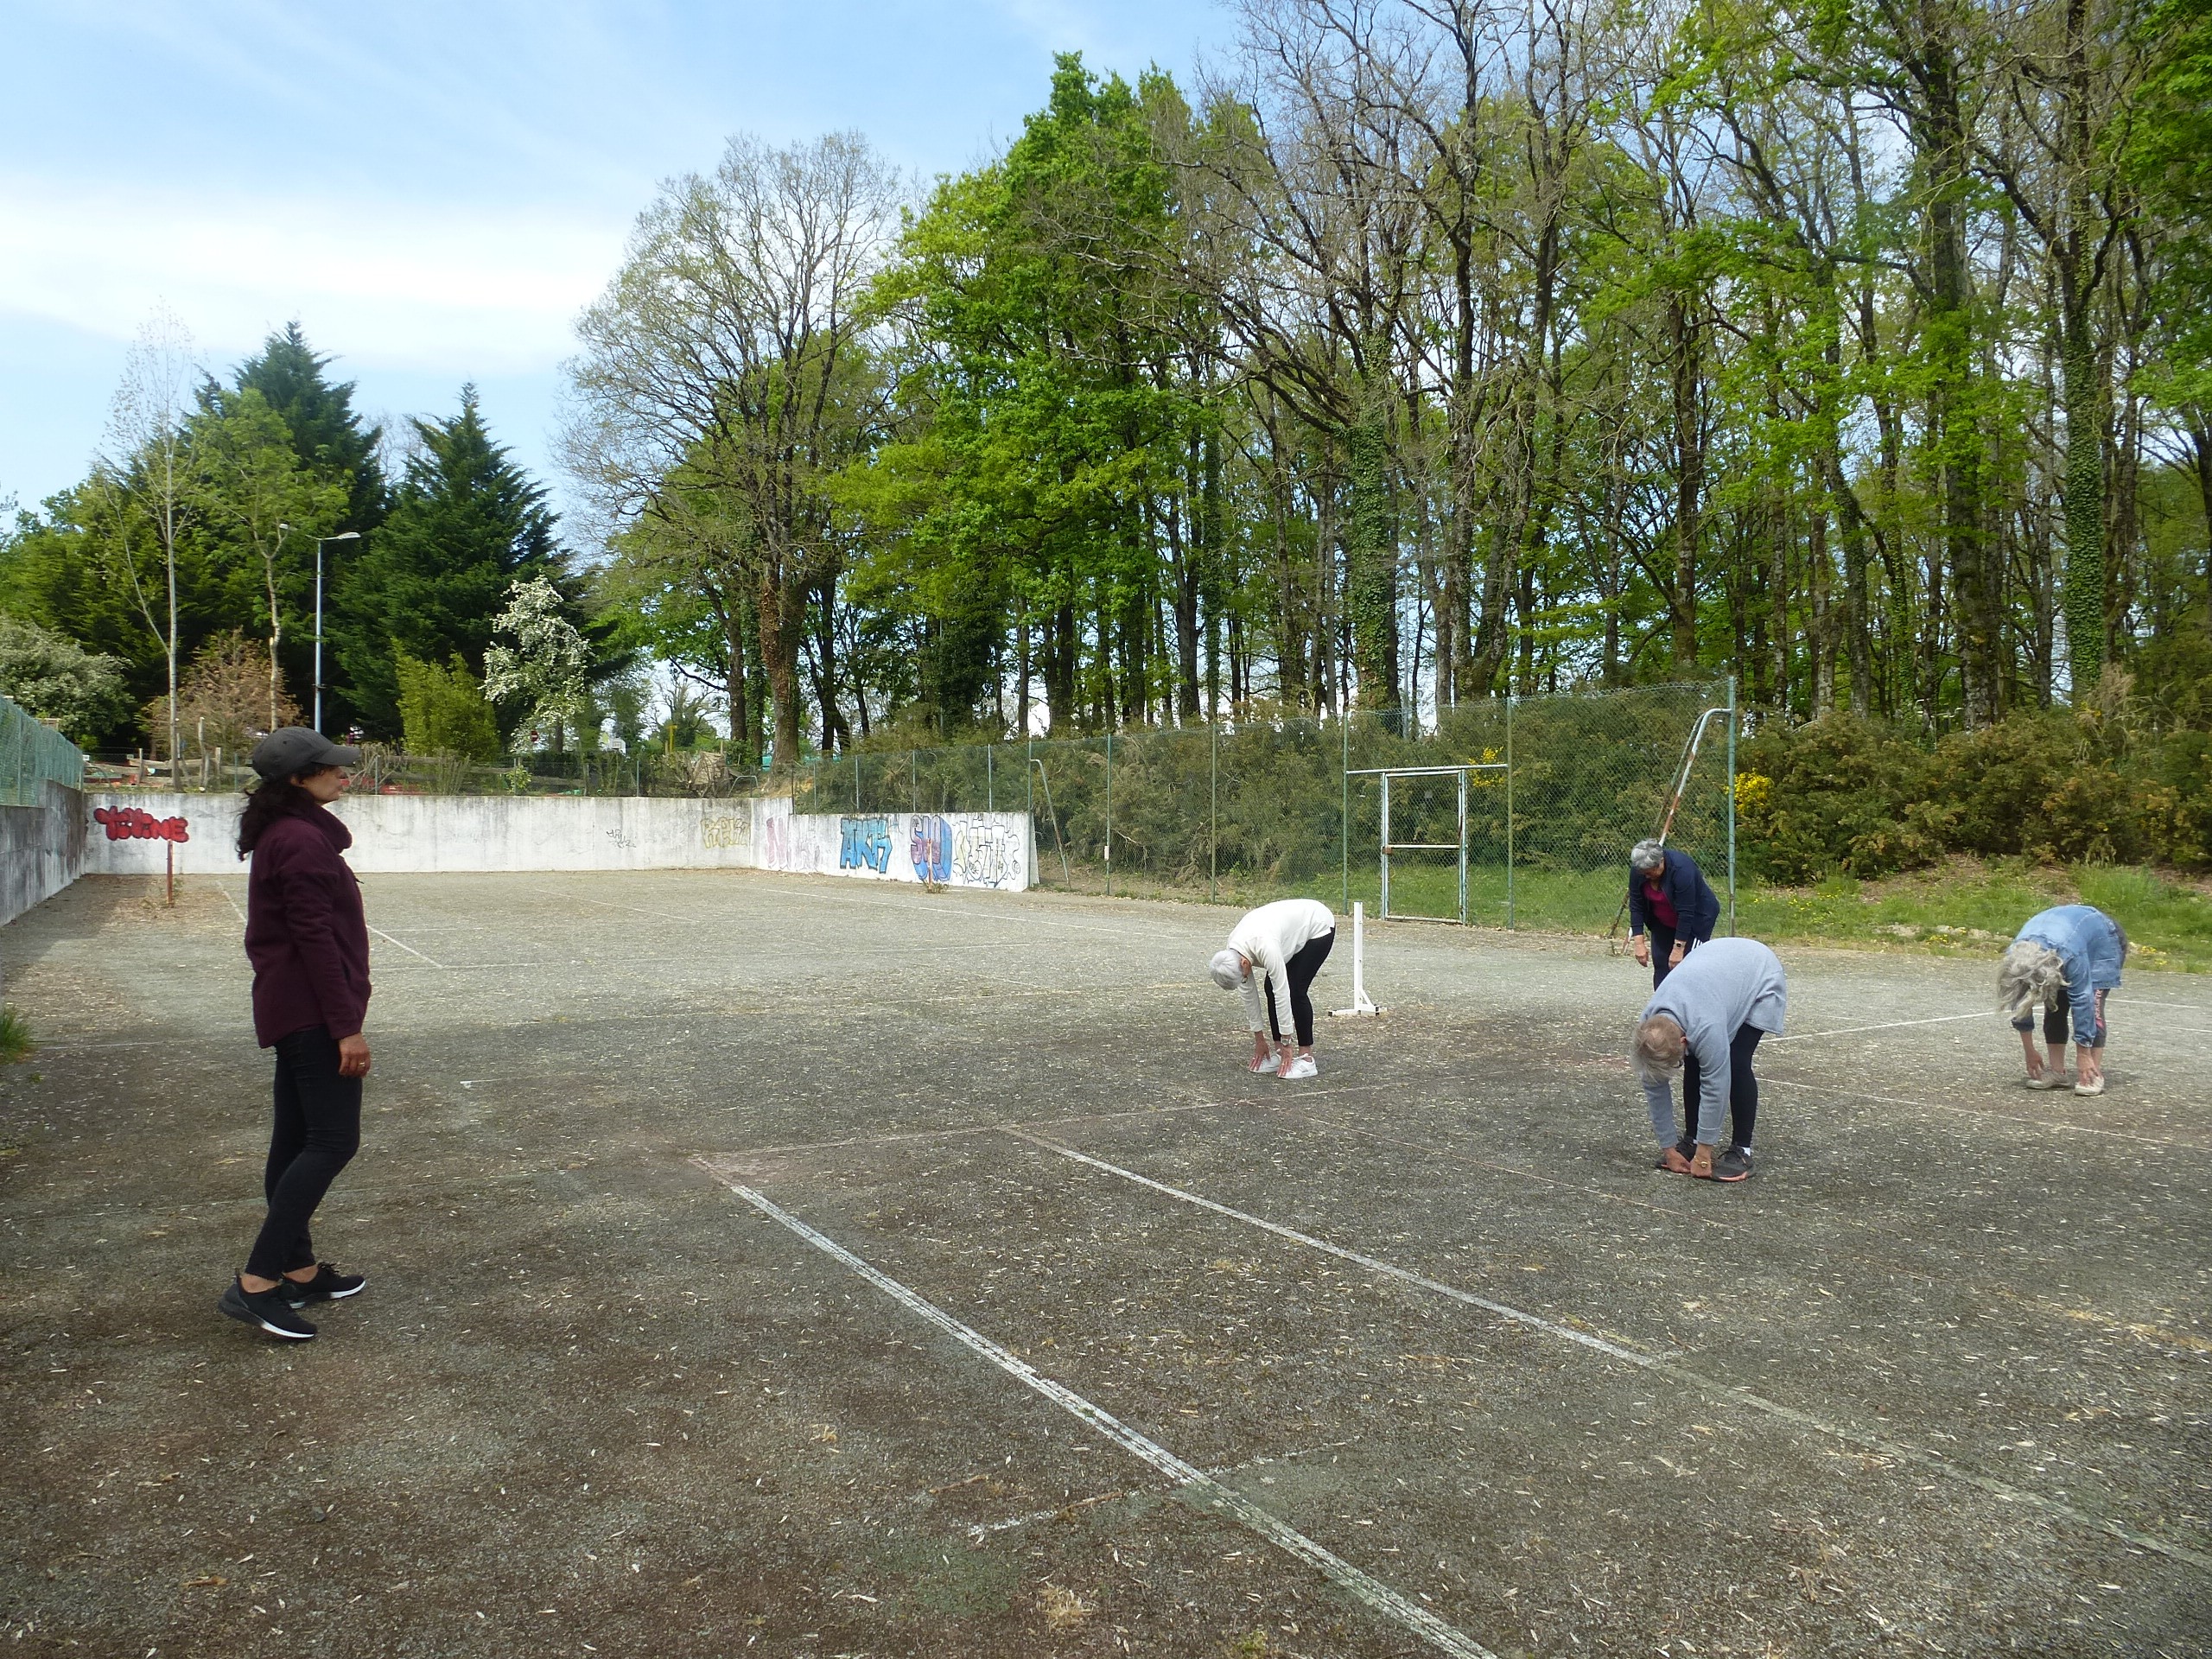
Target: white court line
(234,903)
(1894,1025)
(1662,1365)
(1360,1585)
(2098,1129)
(404,945)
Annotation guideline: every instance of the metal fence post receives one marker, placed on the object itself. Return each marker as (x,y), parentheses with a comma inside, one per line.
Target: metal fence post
(1213,809)
(990,778)
(856,783)
(1509,809)
(1731,805)
(1029,798)
(913,780)
(1109,812)
(1344,833)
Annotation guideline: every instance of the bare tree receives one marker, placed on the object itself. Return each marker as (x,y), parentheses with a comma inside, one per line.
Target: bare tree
(731,347)
(144,479)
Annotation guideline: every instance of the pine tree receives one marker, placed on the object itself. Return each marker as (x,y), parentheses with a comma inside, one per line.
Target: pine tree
(328,433)
(466,523)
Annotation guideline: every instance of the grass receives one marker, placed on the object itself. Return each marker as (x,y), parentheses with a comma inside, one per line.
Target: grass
(1964,907)
(15,1037)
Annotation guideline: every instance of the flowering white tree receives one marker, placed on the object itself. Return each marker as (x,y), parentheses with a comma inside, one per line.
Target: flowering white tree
(546,667)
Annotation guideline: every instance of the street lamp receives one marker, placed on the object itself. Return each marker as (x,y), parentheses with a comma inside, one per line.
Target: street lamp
(342,536)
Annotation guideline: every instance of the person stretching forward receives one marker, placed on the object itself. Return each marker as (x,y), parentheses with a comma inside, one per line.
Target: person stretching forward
(1707,1018)
(1287,941)
(2066,960)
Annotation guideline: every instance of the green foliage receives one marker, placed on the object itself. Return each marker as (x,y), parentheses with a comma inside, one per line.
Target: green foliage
(52,676)
(443,710)
(326,435)
(466,524)
(545,673)
(16,1042)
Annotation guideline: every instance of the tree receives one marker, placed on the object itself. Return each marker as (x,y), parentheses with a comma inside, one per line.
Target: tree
(52,676)
(327,434)
(142,487)
(222,703)
(465,526)
(253,490)
(443,710)
(547,671)
(731,347)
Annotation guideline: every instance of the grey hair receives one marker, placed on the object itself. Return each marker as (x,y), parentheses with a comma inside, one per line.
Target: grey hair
(2030,977)
(1657,1050)
(1648,855)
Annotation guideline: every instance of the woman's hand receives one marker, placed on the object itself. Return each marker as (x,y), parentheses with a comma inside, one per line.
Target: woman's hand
(1640,951)
(1674,957)
(353,1056)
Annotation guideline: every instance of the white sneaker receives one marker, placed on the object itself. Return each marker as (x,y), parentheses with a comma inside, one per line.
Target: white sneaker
(2050,1079)
(1303,1066)
(2093,1086)
(1265,1063)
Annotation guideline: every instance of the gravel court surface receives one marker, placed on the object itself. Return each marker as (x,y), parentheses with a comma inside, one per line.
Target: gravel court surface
(1933,1264)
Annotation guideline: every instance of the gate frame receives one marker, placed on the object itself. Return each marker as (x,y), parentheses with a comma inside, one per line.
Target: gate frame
(1386,773)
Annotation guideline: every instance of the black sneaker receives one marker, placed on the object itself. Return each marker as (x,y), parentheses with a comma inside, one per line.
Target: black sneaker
(265,1308)
(328,1285)
(1733,1165)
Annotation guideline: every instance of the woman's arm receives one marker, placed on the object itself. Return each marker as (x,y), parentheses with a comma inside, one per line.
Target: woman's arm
(310,915)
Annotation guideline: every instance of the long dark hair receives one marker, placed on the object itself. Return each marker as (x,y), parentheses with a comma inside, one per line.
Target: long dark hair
(273,798)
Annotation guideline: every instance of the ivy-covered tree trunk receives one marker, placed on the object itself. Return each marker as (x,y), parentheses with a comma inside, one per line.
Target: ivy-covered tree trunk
(1370,564)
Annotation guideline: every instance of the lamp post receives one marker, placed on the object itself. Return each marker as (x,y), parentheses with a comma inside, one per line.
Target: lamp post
(342,536)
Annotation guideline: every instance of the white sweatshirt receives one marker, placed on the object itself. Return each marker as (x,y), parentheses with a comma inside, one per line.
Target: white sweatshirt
(1269,938)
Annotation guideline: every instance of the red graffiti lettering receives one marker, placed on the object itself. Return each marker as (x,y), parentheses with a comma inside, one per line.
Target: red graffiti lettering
(130,824)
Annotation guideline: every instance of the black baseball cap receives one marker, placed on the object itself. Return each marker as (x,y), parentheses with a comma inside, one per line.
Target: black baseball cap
(291,750)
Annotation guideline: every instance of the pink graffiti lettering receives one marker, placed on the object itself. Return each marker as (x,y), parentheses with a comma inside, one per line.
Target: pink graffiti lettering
(130,824)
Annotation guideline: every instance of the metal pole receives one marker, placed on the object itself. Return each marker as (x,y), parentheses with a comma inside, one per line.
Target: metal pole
(990,778)
(913,780)
(1029,796)
(1213,809)
(1109,813)
(856,783)
(318,635)
(1343,837)
(1463,845)
(1731,805)
(1509,809)
(1385,912)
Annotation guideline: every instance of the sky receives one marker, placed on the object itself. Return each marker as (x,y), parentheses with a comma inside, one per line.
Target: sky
(434,191)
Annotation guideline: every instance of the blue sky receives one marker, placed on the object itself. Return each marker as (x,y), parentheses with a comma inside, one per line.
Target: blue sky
(435,190)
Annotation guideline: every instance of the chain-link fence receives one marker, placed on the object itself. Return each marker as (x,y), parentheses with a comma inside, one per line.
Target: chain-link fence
(1259,810)
(32,755)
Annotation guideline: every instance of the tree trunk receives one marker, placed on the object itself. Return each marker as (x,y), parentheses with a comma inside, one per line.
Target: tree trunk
(1689,479)
(743,730)
(779,647)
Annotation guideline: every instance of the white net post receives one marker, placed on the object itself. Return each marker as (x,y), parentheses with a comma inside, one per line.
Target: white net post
(1360,1004)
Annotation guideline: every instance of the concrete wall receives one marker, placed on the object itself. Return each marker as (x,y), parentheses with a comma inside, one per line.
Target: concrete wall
(130,832)
(42,849)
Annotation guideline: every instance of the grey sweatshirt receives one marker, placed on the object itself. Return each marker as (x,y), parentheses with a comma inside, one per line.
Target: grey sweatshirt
(1721,986)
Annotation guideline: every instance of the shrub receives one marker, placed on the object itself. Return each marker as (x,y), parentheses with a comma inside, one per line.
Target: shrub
(443,710)
(2037,785)
(1840,793)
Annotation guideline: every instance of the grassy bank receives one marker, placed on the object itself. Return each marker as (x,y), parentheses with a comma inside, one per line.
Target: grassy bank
(1964,907)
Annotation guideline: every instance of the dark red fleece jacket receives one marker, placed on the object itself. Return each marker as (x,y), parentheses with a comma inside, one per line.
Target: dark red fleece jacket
(305,933)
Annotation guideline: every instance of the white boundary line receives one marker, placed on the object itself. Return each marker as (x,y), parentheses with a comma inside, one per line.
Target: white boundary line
(2017,1122)
(1360,1585)
(1894,1025)
(1373,1265)
(404,945)
(1662,1365)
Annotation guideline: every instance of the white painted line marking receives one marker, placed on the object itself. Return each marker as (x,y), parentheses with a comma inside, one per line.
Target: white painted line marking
(1360,1585)
(2100,1130)
(404,945)
(234,903)
(1894,1025)
(1662,1365)
(1535,1322)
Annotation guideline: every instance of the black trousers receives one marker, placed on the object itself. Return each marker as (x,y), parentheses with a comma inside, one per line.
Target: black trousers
(1742,1091)
(2056,1018)
(1303,966)
(316,1132)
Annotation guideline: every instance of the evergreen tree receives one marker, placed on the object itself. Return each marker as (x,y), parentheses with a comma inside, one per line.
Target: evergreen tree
(464,523)
(329,436)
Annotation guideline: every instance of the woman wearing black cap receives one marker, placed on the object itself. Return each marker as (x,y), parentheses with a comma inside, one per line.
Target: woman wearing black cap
(308,942)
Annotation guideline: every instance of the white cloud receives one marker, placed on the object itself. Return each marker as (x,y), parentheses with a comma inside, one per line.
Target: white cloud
(460,289)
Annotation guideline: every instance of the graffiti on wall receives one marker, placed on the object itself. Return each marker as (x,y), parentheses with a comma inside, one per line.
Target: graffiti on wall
(130,824)
(931,847)
(864,844)
(726,832)
(988,853)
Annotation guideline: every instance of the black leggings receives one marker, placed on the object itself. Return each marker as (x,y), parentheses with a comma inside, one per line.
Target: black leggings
(1303,966)
(1662,947)
(1743,1091)
(316,1133)
(2056,1018)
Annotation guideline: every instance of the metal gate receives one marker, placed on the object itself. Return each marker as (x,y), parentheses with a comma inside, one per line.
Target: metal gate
(1459,846)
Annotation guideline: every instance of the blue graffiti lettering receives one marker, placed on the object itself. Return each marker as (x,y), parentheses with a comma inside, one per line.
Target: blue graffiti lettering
(930,848)
(864,843)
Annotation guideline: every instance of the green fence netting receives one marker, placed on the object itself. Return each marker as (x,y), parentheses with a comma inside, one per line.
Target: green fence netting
(32,755)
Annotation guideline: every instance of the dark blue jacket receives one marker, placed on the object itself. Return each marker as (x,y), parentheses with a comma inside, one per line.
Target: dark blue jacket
(1697,911)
